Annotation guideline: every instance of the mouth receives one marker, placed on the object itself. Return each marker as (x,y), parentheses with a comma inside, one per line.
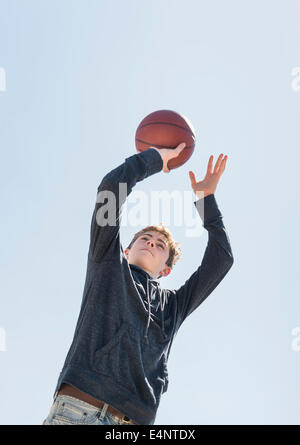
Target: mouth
(148,251)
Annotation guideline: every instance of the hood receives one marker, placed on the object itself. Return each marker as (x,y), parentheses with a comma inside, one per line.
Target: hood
(154,294)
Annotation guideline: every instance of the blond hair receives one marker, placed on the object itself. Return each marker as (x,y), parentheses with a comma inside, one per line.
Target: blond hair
(174,249)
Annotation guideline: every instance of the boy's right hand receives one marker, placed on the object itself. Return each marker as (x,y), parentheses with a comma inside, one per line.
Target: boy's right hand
(169,153)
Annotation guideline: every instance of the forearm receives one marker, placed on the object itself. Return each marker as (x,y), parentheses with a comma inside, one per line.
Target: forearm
(112,193)
(212,219)
(216,262)
(135,168)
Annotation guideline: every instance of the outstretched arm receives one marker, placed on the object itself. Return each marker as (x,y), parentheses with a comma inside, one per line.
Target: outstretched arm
(218,258)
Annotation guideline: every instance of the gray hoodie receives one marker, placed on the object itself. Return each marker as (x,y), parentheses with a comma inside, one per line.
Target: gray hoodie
(127,322)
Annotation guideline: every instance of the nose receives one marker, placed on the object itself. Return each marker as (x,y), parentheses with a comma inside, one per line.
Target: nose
(150,242)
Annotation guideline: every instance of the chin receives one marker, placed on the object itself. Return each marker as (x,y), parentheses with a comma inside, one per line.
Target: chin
(142,263)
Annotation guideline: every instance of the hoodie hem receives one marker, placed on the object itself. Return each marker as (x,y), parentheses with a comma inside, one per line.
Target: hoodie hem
(99,387)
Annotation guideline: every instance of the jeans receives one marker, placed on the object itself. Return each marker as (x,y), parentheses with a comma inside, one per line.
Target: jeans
(67,410)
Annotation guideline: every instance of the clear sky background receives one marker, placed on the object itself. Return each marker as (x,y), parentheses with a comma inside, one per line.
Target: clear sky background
(80,76)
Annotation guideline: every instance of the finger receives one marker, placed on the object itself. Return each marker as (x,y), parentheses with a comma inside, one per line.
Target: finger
(180,147)
(218,163)
(192,178)
(223,165)
(210,165)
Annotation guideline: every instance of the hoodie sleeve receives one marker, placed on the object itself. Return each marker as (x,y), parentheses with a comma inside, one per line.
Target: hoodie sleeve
(216,262)
(105,225)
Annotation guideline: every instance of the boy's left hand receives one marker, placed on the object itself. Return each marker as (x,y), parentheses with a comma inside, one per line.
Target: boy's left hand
(209,184)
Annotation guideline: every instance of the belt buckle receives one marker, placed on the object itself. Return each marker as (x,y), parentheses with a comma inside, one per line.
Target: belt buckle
(126,421)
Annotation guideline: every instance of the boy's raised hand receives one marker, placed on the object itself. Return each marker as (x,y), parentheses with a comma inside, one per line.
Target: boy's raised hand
(209,184)
(169,153)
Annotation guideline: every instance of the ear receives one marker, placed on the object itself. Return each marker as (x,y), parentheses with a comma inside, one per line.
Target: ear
(126,251)
(165,272)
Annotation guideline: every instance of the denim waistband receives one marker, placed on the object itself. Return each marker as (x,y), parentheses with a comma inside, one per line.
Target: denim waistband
(85,405)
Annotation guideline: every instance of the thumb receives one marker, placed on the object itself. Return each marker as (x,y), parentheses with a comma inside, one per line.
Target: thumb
(180,146)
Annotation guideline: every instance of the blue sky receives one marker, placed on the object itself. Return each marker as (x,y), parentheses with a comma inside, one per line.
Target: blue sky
(80,76)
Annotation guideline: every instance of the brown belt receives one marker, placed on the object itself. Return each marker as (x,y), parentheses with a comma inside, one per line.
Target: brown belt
(70,390)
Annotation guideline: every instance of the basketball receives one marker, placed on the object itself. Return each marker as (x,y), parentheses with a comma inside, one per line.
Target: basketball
(166,129)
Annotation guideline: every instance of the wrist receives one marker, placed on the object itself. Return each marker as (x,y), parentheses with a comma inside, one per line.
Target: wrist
(158,151)
(203,194)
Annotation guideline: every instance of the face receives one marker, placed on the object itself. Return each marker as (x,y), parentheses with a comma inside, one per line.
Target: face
(150,251)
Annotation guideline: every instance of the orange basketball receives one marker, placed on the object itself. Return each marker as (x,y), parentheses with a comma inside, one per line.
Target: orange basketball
(166,129)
